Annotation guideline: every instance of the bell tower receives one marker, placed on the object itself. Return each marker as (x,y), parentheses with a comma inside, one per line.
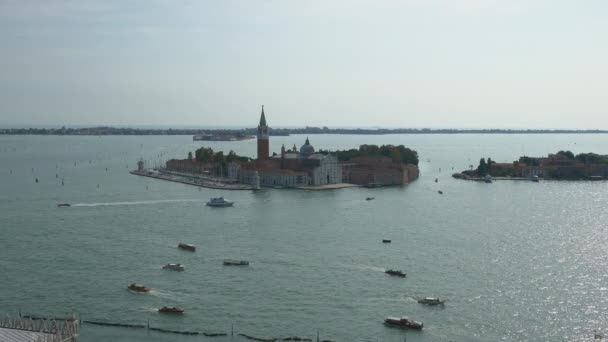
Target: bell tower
(263,146)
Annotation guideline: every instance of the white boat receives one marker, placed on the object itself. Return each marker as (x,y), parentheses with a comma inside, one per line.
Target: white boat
(232,262)
(487,179)
(175,267)
(219,202)
(534,178)
(431,301)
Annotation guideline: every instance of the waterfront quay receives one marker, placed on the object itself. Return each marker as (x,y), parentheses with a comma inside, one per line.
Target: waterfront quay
(192,179)
(328,186)
(493,178)
(220,183)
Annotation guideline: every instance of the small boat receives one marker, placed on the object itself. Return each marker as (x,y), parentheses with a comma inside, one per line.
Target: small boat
(597,335)
(138,288)
(171,309)
(534,178)
(487,179)
(395,273)
(431,301)
(186,246)
(440,192)
(369,198)
(62,205)
(232,262)
(219,202)
(403,322)
(175,267)
(436,180)
(386,241)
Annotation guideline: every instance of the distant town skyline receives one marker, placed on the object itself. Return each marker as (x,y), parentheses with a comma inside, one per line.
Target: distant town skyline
(392,64)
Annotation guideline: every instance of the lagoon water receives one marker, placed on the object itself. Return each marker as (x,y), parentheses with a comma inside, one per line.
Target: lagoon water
(517,261)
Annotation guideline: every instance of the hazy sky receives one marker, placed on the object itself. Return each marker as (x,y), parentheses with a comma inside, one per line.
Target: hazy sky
(406,63)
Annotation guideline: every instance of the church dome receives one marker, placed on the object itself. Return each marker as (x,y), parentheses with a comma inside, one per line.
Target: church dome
(307,148)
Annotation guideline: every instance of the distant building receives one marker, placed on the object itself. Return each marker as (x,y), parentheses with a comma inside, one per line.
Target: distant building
(377,170)
(294,168)
(554,166)
(263,141)
(189,166)
(290,168)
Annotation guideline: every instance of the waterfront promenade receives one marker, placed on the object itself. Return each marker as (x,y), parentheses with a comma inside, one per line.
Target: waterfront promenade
(221,183)
(191,179)
(494,178)
(328,186)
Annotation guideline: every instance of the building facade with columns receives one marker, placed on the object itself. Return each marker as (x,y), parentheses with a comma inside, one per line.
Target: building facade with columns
(290,168)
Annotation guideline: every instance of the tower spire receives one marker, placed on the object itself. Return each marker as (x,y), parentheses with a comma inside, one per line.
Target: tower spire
(262,118)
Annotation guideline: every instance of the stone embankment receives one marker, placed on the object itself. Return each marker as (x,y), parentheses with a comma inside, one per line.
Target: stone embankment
(483,179)
(192,180)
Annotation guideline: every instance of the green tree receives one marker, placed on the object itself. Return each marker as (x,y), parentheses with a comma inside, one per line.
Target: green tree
(591,158)
(482,169)
(489,166)
(204,154)
(369,149)
(189,155)
(395,154)
(231,156)
(218,157)
(566,154)
(408,156)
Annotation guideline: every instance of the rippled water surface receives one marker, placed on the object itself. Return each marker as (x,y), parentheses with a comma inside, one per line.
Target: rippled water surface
(517,261)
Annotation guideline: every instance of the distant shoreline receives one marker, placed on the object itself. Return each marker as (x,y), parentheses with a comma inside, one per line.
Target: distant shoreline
(279,131)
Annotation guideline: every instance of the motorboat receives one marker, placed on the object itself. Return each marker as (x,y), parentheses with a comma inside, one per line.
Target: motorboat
(403,322)
(386,241)
(175,267)
(431,301)
(369,198)
(171,309)
(436,180)
(487,179)
(62,205)
(219,202)
(597,335)
(395,273)
(186,246)
(138,288)
(232,262)
(440,192)
(534,178)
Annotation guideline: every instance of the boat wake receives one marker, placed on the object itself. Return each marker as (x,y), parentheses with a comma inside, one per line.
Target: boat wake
(398,299)
(365,268)
(163,294)
(134,203)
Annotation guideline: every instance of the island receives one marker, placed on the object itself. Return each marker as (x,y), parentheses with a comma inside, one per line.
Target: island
(563,165)
(302,168)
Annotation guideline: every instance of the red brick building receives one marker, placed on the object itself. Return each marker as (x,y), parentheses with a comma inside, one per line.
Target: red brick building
(377,170)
